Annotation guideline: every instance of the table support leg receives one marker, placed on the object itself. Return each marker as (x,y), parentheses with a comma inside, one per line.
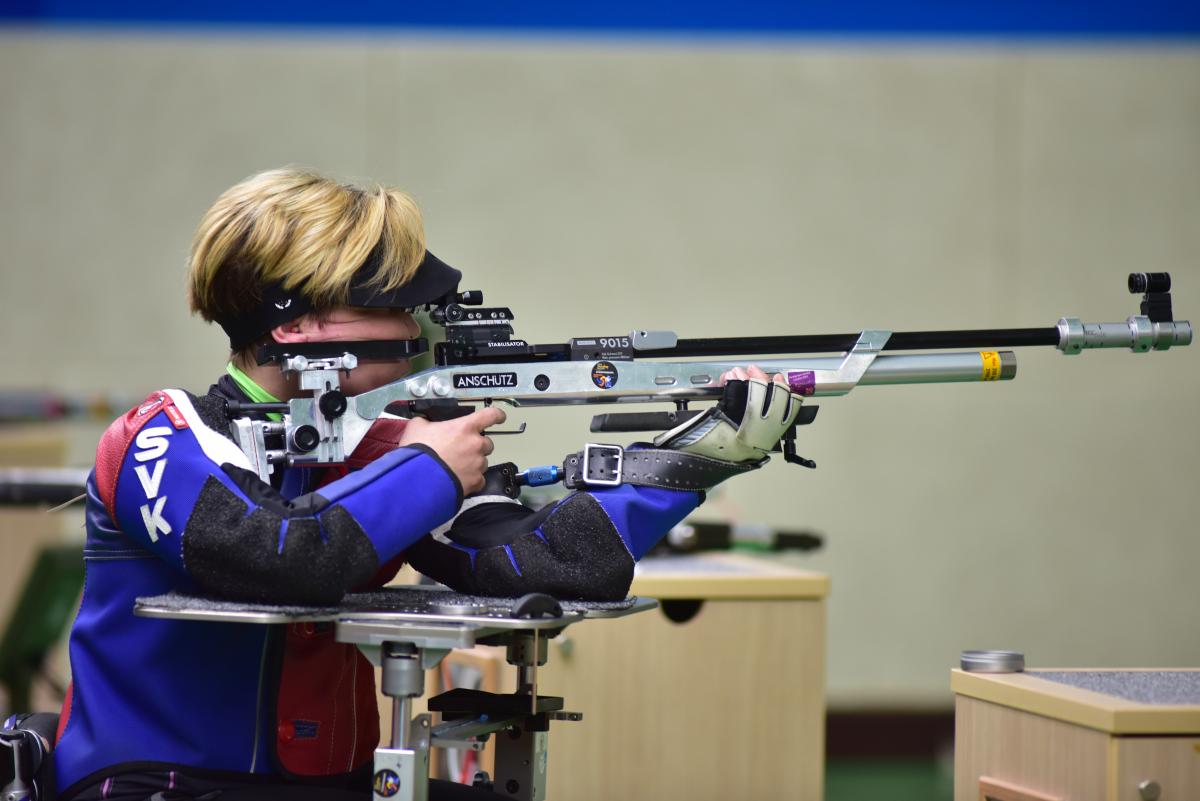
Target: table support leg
(521,750)
(402,771)
(521,764)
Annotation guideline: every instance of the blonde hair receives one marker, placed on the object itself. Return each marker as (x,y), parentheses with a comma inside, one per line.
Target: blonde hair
(305,232)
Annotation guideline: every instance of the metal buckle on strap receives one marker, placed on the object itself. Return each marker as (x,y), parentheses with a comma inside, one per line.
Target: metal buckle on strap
(597,473)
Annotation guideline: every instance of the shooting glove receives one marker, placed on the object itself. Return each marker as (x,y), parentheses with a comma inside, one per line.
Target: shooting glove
(744,426)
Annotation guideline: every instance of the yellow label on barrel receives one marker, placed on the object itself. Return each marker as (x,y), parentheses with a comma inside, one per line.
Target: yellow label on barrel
(991,365)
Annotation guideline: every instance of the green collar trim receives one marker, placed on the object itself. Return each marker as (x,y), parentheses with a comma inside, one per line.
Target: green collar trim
(253,391)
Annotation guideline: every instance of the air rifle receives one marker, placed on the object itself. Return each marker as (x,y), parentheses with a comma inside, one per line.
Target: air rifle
(481,361)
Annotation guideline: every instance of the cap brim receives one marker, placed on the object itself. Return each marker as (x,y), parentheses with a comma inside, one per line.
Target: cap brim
(433,280)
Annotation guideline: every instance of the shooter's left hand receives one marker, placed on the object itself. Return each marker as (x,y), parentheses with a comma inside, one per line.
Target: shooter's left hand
(751,417)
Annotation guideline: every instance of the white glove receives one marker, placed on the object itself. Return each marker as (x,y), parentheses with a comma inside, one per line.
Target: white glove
(744,426)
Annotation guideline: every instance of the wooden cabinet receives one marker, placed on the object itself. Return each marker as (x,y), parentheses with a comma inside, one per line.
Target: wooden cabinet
(1173,762)
(1063,741)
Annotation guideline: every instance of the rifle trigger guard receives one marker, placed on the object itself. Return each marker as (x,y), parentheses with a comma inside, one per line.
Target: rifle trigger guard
(488,402)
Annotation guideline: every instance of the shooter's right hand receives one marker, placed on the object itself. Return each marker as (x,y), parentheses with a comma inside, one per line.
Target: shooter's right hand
(460,443)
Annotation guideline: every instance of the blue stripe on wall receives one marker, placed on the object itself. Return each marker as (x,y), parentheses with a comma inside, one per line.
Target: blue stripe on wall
(1011,18)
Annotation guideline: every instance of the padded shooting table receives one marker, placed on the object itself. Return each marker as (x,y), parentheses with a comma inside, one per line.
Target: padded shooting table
(407,630)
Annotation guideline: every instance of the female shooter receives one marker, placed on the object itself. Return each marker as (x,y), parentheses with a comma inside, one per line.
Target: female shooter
(174,709)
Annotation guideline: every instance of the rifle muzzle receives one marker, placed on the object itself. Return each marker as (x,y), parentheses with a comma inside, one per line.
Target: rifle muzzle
(1138,333)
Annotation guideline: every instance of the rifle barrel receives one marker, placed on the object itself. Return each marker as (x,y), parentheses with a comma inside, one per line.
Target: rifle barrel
(993,338)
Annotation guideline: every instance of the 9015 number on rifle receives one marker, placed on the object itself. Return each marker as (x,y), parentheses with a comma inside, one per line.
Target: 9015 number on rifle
(586,349)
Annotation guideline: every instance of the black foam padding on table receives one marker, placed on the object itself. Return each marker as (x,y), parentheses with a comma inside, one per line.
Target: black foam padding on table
(426,599)
(413,600)
(182,602)
(1165,687)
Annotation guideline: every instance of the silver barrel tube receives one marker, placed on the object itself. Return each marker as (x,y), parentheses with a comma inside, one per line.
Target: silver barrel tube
(887,370)
(941,368)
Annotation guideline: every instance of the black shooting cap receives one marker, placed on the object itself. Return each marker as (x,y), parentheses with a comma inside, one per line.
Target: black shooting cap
(433,281)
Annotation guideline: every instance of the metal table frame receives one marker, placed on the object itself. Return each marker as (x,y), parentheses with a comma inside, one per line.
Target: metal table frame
(406,644)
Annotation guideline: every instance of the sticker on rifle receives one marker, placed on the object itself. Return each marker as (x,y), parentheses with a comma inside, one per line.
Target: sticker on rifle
(488,380)
(387,783)
(991,365)
(604,375)
(802,382)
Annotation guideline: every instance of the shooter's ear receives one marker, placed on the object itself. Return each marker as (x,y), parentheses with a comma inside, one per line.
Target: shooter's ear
(299,330)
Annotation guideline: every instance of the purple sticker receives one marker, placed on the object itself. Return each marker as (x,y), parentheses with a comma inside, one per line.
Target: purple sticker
(803,382)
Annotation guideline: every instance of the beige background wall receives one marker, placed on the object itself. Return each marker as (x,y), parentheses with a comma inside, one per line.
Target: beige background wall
(715,189)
